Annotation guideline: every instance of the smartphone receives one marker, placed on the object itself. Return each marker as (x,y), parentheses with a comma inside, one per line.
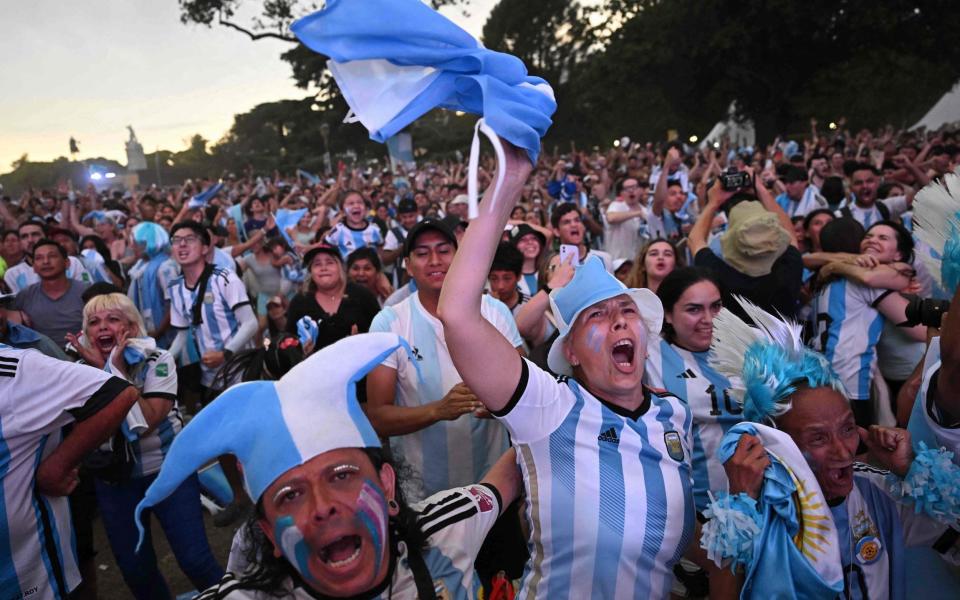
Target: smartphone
(568,250)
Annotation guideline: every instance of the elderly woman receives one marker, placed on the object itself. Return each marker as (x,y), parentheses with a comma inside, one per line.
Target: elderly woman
(814,508)
(605,460)
(115,339)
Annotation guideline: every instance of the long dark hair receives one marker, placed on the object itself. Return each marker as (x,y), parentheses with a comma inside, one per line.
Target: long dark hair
(673,286)
(101,247)
(267,573)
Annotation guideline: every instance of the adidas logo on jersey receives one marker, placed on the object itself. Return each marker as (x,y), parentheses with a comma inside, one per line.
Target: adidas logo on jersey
(609,435)
(688,374)
(416,354)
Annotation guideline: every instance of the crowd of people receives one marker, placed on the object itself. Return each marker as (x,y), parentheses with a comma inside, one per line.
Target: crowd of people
(592,387)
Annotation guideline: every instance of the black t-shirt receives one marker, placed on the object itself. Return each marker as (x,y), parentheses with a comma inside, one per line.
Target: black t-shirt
(778,291)
(358,307)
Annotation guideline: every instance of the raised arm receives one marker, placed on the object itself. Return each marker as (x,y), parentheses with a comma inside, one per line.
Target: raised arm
(697,238)
(476,346)
(770,203)
(660,192)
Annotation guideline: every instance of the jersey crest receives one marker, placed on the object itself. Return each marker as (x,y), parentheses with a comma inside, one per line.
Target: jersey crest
(671,440)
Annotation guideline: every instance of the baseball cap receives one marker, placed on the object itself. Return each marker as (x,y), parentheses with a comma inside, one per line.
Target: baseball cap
(429,224)
(321,249)
(407,205)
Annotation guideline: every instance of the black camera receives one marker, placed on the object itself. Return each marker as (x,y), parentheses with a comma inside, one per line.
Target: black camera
(732,180)
(924,311)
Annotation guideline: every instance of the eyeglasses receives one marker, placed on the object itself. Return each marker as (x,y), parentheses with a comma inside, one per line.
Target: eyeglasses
(184,240)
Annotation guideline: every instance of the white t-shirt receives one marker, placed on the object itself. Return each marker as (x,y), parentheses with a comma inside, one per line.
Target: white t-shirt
(38,396)
(609,499)
(449,453)
(622,240)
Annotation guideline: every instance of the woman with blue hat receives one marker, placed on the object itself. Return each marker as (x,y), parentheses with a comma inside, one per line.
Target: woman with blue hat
(605,460)
(330,519)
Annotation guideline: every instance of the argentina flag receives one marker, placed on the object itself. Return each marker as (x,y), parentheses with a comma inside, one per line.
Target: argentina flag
(395,60)
(797,553)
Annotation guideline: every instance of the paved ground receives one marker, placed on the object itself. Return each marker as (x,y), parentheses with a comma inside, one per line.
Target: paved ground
(110,584)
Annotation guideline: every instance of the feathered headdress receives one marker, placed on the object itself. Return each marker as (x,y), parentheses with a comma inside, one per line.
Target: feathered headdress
(765,363)
(936,215)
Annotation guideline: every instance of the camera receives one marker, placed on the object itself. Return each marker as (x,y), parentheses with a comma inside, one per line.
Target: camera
(732,180)
(924,311)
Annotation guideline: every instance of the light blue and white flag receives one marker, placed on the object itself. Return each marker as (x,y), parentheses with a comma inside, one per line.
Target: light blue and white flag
(395,60)
(205,196)
(797,553)
(313,179)
(285,219)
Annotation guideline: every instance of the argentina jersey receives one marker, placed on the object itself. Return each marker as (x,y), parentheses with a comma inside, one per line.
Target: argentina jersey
(609,501)
(848,327)
(448,453)
(348,239)
(688,376)
(224,294)
(874,530)
(38,397)
(156,377)
(927,423)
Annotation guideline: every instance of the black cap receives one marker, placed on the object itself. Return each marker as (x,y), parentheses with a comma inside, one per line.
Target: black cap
(429,224)
(524,229)
(324,249)
(407,205)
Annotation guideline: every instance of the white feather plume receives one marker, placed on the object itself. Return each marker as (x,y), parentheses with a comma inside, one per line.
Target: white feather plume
(732,336)
(935,218)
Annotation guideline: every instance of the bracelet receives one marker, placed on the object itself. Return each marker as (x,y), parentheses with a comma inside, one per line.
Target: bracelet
(546,288)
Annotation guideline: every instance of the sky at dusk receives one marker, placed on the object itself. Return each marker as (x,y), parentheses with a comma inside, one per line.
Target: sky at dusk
(88,69)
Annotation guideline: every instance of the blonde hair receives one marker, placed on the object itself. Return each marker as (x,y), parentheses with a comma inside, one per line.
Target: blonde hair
(117,302)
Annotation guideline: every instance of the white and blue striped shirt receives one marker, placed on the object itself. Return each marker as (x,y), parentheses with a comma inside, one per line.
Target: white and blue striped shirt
(688,376)
(927,423)
(38,397)
(225,293)
(847,331)
(609,499)
(348,239)
(448,453)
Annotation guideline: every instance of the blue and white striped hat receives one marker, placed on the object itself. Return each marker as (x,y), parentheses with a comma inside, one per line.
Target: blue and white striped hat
(274,426)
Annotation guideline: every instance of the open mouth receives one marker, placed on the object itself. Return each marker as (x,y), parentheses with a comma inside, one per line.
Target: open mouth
(106,342)
(623,353)
(840,476)
(342,551)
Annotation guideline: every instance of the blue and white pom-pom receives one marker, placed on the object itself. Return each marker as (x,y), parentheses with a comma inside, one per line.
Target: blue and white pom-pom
(734,523)
(307,330)
(932,485)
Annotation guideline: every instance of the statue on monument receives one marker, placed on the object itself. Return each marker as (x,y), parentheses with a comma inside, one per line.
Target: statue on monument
(136,159)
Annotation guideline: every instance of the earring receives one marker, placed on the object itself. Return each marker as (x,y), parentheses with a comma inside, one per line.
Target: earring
(393,504)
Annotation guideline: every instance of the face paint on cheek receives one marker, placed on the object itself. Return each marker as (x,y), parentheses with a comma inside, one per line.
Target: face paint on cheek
(372,514)
(594,339)
(292,545)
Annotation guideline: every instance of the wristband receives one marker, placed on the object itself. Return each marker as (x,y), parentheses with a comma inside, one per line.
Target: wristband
(546,288)
(227,354)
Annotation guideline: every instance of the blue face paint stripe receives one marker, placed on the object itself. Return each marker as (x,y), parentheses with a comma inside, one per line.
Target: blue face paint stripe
(293,547)
(8,570)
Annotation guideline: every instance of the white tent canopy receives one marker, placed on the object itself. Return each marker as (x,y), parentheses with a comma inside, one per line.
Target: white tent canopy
(946,111)
(739,133)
